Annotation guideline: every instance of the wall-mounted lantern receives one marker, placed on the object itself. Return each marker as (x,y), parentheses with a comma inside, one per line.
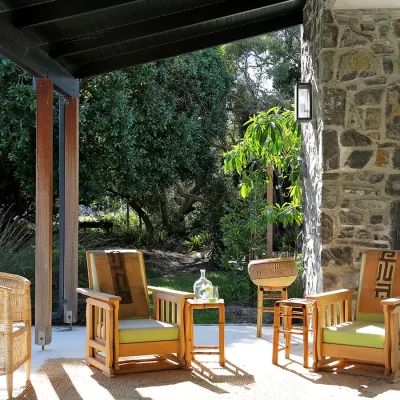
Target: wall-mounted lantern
(303,102)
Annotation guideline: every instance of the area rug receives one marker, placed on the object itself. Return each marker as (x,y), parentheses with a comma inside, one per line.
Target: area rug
(246,377)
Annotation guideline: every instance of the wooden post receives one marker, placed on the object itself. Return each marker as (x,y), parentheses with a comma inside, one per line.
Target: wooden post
(71,208)
(270,199)
(44,210)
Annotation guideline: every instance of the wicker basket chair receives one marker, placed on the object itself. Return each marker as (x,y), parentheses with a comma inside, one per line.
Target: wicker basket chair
(15,326)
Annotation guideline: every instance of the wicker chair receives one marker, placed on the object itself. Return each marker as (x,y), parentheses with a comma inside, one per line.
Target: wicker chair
(15,326)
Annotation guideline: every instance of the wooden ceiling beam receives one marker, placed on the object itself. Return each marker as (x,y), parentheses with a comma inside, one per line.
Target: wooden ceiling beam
(172,49)
(25,53)
(51,11)
(142,28)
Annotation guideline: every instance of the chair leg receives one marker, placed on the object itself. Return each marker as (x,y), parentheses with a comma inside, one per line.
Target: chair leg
(28,370)
(9,378)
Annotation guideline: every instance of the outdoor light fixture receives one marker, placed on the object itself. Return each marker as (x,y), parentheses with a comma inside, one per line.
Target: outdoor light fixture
(303,102)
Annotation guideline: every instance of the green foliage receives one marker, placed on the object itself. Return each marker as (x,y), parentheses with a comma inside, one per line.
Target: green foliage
(148,128)
(271,139)
(197,241)
(16,244)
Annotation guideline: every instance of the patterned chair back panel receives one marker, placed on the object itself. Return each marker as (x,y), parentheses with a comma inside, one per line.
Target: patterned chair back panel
(379,279)
(121,273)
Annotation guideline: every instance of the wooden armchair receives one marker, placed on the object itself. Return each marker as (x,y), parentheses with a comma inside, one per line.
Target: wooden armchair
(15,326)
(118,318)
(373,335)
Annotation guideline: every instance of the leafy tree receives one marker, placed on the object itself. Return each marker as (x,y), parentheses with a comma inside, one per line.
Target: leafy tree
(271,139)
(17,136)
(149,134)
(265,69)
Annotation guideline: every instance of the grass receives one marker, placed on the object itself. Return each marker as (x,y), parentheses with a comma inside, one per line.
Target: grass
(224,280)
(234,287)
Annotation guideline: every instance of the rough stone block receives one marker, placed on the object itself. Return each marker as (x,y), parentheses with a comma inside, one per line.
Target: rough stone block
(361,191)
(393,112)
(355,117)
(330,150)
(393,185)
(339,256)
(345,204)
(330,196)
(382,158)
(326,228)
(352,138)
(373,118)
(376,219)
(396,158)
(383,31)
(346,233)
(351,218)
(368,27)
(334,106)
(327,64)
(396,27)
(370,177)
(383,47)
(374,135)
(395,225)
(387,65)
(359,159)
(368,97)
(363,234)
(357,64)
(375,81)
(329,36)
(351,38)
(370,205)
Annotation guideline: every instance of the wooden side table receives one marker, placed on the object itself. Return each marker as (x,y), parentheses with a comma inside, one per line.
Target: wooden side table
(286,311)
(190,349)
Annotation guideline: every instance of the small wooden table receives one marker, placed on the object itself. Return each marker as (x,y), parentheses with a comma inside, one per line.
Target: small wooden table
(190,349)
(287,310)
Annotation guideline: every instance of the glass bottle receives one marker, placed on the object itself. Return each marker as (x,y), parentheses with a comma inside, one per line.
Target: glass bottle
(203,287)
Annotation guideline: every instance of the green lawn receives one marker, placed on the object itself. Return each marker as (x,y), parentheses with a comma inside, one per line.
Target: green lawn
(231,288)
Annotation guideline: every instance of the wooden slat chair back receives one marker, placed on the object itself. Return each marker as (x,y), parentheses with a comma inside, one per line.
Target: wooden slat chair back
(118,322)
(372,336)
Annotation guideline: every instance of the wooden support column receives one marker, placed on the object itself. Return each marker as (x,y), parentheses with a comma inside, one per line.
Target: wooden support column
(270,199)
(44,210)
(71,208)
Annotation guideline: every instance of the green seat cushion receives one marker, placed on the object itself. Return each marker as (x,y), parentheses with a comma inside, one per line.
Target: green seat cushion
(146,330)
(356,333)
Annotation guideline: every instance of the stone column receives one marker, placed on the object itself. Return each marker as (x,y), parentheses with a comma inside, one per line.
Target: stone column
(351,150)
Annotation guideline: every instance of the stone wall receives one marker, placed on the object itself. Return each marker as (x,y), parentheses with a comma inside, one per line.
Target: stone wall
(355,68)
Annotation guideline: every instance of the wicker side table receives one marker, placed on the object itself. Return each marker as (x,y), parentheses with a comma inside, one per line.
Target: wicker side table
(190,349)
(286,311)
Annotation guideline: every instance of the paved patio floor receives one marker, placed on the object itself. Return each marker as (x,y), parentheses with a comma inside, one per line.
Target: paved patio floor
(253,356)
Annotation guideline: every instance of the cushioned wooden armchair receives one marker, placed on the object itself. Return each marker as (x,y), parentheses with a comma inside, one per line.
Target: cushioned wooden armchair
(373,335)
(15,326)
(118,322)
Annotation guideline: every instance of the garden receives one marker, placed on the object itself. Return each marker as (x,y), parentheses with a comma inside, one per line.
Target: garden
(174,160)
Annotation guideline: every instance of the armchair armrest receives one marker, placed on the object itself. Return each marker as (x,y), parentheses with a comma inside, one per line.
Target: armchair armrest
(392,305)
(98,295)
(333,296)
(177,293)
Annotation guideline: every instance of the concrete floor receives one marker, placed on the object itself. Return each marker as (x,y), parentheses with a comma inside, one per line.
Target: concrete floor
(71,344)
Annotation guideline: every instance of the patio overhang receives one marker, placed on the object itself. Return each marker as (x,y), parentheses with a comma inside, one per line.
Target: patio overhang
(59,42)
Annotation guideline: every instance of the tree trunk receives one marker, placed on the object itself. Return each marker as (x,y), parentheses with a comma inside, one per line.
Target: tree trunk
(164,209)
(142,214)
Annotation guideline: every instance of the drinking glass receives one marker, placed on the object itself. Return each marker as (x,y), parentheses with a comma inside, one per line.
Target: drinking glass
(214,295)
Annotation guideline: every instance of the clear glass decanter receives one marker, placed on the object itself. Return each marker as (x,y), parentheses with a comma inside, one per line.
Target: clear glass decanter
(203,287)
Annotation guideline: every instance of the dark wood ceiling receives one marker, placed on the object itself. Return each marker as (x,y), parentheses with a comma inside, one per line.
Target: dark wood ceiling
(69,39)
